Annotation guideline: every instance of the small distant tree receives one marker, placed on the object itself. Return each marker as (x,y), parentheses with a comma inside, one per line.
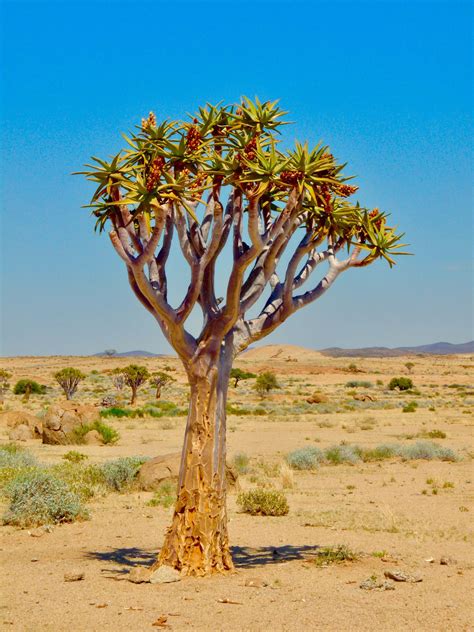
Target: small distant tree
(110,352)
(4,384)
(159,380)
(401,383)
(265,383)
(69,380)
(118,379)
(238,374)
(135,376)
(28,387)
(409,366)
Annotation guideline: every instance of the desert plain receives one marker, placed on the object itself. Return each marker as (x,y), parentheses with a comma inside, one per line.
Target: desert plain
(413,515)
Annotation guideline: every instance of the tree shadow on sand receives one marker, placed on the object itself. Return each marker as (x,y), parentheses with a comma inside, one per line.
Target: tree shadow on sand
(244,557)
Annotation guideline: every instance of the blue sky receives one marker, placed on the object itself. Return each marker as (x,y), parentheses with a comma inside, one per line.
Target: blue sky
(387,85)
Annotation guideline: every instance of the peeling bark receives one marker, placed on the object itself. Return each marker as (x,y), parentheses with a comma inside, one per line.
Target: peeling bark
(197,541)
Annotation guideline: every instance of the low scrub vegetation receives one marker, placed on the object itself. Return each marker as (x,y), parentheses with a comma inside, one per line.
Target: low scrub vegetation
(310,458)
(37,497)
(263,502)
(334,555)
(358,384)
(157,409)
(164,496)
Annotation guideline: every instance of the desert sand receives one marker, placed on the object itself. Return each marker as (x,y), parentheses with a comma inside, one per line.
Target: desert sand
(387,512)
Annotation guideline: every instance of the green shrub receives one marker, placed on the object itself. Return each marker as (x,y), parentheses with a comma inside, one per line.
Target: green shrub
(379,453)
(115,411)
(334,555)
(120,473)
(262,502)
(410,407)
(108,434)
(241,463)
(358,384)
(265,383)
(435,434)
(73,456)
(27,387)
(239,374)
(165,495)
(305,459)
(401,383)
(338,454)
(38,498)
(87,481)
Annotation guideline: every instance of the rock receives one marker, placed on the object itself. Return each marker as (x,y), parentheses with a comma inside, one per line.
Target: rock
(364,397)
(40,531)
(139,575)
(21,433)
(60,421)
(74,576)
(21,419)
(317,398)
(166,468)
(164,575)
(255,582)
(447,561)
(400,576)
(93,438)
(375,584)
(109,401)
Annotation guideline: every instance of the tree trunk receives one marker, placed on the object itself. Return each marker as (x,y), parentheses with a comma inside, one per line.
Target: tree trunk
(197,541)
(158,392)
(134,396)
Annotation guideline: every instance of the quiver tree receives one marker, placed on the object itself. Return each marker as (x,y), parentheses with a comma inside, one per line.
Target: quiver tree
(159,380)
(26,387)
(239,374)
(69,380)
(134,376)
(118,379)
(221,178)
(4,384)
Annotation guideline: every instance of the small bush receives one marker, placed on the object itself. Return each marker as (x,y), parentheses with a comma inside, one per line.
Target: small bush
(358,384)
(435,434)
(379,453)
(410,407)
(305,459)
(38,498)
(73,456)
(241,463)
(427,450)
(265,383)
(338,454)
(120,473)
(262,502)
(400,383)
(14,456)
(334,555)
(165,495)
(27,387)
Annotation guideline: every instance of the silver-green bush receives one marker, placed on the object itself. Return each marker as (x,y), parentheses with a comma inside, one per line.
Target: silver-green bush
(263,502)
(305,459)
(38,498)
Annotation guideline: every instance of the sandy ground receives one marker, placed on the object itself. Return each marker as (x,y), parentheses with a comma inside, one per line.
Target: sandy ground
(377,509)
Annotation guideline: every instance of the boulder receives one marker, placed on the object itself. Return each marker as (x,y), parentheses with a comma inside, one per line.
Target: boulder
(60,420)
(93,438)
(22,425)
(21,433)
(166,468)
(364,397)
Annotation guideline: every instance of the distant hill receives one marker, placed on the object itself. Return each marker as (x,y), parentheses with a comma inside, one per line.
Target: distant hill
(437,348)
(130,354)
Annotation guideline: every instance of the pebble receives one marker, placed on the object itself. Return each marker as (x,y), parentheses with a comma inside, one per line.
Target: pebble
(74,576)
